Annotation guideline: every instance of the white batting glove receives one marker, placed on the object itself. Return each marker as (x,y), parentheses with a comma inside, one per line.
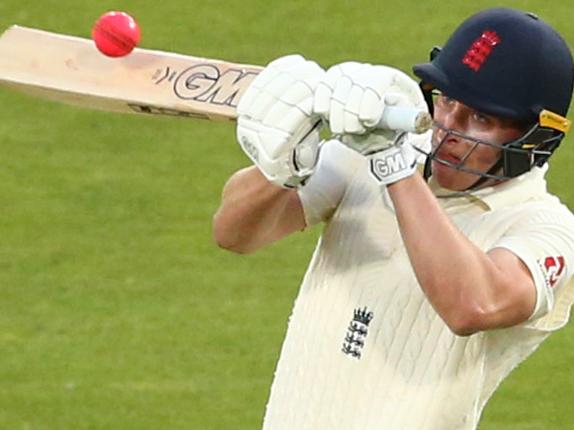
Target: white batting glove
(352,97)
(276,126)
(395,163)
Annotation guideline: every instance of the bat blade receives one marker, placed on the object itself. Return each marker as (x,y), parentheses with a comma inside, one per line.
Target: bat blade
(71,70)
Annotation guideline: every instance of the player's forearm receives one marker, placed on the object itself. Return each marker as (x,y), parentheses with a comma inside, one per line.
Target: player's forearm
(255,213)
(460,280)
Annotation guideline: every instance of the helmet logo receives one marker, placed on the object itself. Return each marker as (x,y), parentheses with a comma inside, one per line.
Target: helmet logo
(480,50)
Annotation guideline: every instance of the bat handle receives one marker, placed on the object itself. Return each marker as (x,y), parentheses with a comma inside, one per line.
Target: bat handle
(405,119)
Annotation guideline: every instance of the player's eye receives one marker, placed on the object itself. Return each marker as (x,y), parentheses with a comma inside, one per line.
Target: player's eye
(479,117)
(482,119)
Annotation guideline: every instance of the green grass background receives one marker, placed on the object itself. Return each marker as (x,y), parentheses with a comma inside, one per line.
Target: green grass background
(117,311)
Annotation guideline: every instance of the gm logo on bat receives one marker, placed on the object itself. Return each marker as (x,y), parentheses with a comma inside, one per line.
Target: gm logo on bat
(207,84)
(201,83)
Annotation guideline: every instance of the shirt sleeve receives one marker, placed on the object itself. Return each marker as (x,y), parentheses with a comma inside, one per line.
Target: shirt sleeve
(545,243)
(326,187)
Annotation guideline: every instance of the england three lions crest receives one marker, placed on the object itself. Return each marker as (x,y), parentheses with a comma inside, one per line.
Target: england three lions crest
(357,333)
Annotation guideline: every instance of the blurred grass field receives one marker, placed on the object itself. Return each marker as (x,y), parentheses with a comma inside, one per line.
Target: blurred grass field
(117,311)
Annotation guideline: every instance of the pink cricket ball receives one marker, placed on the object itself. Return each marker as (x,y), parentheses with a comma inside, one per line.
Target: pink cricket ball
(116,34)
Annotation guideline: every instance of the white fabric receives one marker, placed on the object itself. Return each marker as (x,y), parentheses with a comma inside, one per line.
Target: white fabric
(399,367)
(275,126)
(324,190)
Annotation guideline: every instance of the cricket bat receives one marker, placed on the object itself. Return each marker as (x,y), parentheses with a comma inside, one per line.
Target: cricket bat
(71,70)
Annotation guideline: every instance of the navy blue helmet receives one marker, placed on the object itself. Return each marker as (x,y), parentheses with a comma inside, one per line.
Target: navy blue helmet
(509,64)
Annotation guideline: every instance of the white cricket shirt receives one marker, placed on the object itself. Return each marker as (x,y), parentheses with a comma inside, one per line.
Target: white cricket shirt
(365,350)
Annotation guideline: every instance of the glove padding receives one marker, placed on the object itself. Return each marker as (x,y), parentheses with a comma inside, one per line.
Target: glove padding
(394,163)
(276,126)
(352,97)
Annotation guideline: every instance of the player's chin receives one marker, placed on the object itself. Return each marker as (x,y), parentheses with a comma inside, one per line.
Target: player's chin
(450,178)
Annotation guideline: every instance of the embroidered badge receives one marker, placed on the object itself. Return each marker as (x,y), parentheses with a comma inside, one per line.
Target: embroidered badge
(480,50)
(357,332)
(553,267)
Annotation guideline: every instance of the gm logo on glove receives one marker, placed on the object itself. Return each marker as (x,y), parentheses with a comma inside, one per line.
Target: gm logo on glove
(392,162)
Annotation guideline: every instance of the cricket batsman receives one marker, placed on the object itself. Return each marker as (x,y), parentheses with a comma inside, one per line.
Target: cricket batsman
(444,262)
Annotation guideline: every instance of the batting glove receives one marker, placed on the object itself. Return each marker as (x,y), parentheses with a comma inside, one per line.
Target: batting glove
(276,126)
(352,97)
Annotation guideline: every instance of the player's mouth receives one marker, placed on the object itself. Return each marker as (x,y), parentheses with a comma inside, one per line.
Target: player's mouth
(448,157)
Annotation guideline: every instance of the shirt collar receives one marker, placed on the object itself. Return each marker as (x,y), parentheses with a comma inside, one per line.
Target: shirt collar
(510,192)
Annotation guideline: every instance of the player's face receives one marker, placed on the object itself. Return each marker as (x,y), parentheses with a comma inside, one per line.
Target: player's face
(455,121)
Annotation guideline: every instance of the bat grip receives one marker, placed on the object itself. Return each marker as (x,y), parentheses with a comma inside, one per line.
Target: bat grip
(405,119)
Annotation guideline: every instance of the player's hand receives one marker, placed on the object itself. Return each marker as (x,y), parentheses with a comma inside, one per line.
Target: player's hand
(276,126)
(397,162)
(352,97)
